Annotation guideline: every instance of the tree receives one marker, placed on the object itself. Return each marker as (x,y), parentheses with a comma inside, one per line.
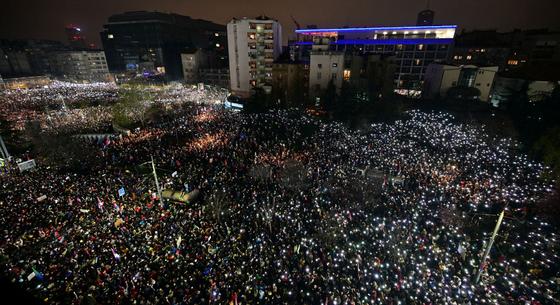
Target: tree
(58,149)
(132,107)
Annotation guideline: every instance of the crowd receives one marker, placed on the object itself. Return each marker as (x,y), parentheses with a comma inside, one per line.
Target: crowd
(292,211)
(83,108)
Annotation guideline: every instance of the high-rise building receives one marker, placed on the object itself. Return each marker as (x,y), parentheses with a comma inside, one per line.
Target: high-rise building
(425,17)
(413,47)
(75,37)
(253,44)
(81,66)
(143,39)
(22,58)
(508,50)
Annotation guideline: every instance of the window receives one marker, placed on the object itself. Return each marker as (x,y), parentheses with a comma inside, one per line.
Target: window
(318,75)
(334,65)
(346,75)
(513,62)
(319,66)
(469,57)
(420,47)
(333,76)
(110,36)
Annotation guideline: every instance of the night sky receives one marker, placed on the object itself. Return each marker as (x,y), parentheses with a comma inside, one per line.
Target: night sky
(46,18)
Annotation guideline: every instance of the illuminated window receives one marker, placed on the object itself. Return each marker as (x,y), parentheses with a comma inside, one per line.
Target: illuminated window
(217,45)
(469,57)
(417,62)
(216,34)
(455,57)
(251,36)
(346,75)
(420,47)
(110,36)
(334,65)
(513,62)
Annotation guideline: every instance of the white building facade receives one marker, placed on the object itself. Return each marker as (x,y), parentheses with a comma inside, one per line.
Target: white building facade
(324,67)
(83,66)
(439,78)
(192,62)
(253,45)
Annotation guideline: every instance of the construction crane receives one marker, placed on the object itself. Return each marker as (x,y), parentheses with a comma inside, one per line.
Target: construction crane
(295,21)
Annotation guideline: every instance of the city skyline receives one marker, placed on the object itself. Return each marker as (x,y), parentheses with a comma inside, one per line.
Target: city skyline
(42,20)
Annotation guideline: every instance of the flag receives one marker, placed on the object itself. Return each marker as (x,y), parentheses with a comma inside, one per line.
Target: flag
(99,204)
(461,250)
(116,255)
(121,192)
(38,274)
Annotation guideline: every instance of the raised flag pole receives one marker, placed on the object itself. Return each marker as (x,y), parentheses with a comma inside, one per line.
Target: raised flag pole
(157,183)
(487,251)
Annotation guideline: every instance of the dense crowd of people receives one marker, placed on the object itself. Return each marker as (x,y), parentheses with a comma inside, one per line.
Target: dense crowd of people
(83,108)
(292,210)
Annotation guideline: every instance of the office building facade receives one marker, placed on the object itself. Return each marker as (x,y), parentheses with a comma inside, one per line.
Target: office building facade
(153,39)
(413,48)
(508,50)
(253,45)
(82,66)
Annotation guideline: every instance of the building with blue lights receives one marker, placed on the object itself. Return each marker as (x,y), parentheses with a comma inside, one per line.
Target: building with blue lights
(413,47)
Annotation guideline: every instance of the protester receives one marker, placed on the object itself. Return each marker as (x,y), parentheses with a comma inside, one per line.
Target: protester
(292,211)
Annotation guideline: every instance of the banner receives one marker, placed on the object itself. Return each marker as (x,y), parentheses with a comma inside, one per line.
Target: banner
(26,165)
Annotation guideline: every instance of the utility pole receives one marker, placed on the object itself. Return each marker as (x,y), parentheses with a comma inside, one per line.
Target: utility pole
(487,251)
(157,183)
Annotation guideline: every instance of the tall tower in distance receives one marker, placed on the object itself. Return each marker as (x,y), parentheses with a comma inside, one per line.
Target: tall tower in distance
(75,37)
(426,17)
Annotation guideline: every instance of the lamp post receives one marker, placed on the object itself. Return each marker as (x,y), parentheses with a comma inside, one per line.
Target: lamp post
(487,251)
